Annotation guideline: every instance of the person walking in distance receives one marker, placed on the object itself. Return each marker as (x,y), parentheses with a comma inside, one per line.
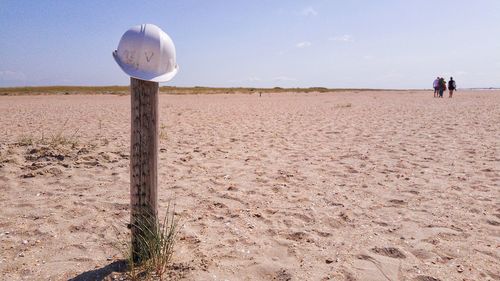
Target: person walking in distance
(452,86)
(442,86)
(436,87)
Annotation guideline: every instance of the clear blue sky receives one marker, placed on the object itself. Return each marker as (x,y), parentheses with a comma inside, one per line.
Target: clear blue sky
(375,44)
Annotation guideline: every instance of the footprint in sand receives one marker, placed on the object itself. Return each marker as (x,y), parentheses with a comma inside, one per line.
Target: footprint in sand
(377,268)
(389,252)
(398,202)
(492,222)
(426,278)
(384,265)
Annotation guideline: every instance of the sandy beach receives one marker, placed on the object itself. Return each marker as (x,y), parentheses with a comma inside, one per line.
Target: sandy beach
(357,185)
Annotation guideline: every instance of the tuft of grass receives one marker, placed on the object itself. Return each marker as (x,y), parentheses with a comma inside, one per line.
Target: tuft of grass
(57,139)
(26,140)
(60,138)
(150,250)
(163,132)
(346,105)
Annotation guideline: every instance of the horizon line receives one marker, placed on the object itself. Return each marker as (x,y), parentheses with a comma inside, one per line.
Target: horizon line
(319,88)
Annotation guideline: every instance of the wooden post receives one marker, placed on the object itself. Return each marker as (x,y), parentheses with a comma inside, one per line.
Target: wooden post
(143,161)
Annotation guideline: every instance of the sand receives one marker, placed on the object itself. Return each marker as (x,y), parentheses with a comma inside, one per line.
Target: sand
(311,186)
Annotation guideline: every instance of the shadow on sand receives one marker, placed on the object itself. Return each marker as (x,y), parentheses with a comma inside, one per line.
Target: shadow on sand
(101,273)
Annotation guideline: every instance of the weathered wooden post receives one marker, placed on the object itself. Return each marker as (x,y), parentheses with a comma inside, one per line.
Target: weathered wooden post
(143,161)
(147,54)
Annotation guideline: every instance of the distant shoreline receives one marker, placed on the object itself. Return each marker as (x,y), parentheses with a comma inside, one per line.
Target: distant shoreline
(124,90)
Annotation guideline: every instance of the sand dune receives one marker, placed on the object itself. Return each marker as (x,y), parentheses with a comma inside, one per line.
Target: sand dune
(288,186)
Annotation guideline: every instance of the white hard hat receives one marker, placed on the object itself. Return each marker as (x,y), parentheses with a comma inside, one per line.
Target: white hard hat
(146,52)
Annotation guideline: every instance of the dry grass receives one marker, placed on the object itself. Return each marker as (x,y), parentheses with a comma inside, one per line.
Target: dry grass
(344,105)
(63,90)
(54,141)
(27,140)
(58,139)
(163,132)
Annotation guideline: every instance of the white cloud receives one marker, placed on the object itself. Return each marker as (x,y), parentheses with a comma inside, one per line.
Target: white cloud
(9,75)
(253,79)
(303,44)
(309,11)
(391,76)
(283,79)
(342,38)
(247,79)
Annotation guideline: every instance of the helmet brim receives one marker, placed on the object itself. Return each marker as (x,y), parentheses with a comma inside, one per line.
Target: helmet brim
(144,75)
